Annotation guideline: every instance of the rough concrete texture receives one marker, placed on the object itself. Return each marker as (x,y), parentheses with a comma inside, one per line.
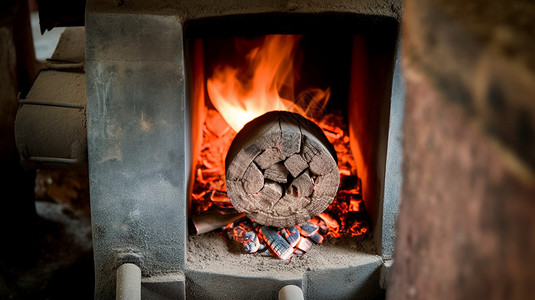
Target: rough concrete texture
(466,227)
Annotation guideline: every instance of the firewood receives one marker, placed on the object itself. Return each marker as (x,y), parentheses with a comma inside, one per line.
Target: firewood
(271,192)
(247,154)
(281,170)
(319,164)
(291,133)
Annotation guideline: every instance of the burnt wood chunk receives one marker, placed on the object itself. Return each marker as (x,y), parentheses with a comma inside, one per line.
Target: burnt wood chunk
(302,186)
(304,244)
(327,184)
(292,235)
(291,134)
(321,164)
(271,192)
(277,173)
(286,167)
(237,188)
(308,229)
(277,243)
(284,207)
(316,238)
(252,244)
(253,179)
(244,158)
(269,157)
(295,164)
(309,149)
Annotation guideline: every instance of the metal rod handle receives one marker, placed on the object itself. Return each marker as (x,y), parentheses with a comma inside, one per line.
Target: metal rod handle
(128,282)
(291,292)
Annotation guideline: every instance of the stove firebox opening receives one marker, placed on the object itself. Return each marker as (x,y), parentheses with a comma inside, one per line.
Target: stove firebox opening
(289,180)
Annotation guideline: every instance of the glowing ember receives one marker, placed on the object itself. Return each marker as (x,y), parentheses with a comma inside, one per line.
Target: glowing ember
(243,232)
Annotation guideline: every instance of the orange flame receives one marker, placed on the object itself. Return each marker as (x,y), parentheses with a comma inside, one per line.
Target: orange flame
(240,98)
(332,224)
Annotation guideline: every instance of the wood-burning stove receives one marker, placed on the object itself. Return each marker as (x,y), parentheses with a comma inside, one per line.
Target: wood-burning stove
(142,123)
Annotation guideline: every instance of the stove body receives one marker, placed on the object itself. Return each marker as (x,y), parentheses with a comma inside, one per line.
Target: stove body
(140,123)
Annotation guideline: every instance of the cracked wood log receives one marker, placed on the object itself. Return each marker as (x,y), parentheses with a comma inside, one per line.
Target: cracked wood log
(281,170)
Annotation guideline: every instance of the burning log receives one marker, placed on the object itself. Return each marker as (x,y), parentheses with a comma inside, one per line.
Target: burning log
(281,170)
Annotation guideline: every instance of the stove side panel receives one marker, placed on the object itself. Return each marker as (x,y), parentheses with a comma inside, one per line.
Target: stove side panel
(137,138)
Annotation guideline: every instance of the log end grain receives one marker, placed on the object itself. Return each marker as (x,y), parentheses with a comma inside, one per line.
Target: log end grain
(283,171)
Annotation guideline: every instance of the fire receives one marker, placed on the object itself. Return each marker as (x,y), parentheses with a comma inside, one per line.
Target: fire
(242,93)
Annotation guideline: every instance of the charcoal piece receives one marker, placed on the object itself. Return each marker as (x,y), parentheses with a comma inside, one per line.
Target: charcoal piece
(302,186)
(323,229)
(316,238)
(253,179)
(277,243)
(308,229)
(252,243)
(304,244)
(321,164)
(271,193)
(291,235)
